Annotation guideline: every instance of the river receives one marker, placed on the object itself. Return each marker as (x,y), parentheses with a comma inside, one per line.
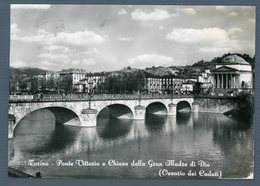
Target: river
(225,144)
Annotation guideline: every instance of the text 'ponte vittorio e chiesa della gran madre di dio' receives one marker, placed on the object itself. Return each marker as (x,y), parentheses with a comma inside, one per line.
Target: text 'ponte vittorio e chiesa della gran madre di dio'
(131,91)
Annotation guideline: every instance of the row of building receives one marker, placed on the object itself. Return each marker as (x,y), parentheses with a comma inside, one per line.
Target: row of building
(233,74)
(69,80)
(77,80)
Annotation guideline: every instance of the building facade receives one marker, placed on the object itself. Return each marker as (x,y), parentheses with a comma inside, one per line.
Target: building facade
(50,81)
(153,85)
(205,81)
(37,83)
(92,83)
(232,75)
(169,84)
(69,79)
(187,87)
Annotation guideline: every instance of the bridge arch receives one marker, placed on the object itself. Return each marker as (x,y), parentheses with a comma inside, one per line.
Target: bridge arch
(116,110)
(184,106)
(62,115)
(157,108)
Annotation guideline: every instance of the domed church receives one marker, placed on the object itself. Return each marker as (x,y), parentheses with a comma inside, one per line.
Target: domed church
(232,75)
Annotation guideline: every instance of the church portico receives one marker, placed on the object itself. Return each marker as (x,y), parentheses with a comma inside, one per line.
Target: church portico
(226,80)
(232,75)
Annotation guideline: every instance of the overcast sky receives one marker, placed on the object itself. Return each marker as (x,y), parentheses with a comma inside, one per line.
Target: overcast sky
(110,37)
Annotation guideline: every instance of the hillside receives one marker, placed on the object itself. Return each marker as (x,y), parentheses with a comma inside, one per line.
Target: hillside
(25,71)
(22,75)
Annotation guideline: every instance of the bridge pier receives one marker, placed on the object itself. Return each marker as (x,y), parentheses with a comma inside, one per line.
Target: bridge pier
(139,112)
(89,117)
(10,131)
(172,110)
(195,107)
(11,124)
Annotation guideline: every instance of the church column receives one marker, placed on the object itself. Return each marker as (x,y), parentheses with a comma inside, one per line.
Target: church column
(231,81)
(215,81)
(222,81)
(231,78)
(234,81)
(216,77)
(219,78)
(230,75)
(227,81)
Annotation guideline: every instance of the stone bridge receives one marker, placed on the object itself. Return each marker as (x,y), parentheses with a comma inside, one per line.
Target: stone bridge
(84,112)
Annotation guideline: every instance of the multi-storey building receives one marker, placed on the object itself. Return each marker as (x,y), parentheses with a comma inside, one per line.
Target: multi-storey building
(47,81)
(153,85)
(177,84)
(171,84)
(92,83)
(168,84)
(37,83)
(70,78)
(187,87)
(205,81)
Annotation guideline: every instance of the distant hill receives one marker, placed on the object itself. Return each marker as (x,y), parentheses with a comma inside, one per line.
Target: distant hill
(26,71)
(22,75)
(162,71)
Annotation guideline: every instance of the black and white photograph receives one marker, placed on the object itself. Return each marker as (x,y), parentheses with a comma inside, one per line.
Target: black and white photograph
(110,91)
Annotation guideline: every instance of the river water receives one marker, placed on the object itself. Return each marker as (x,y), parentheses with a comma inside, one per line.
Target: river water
(217,145)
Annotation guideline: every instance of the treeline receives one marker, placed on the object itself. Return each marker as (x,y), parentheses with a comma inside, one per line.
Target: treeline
(125,82)
(22,76)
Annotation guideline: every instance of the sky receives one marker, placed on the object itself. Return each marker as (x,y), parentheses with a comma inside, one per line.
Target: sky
(111,37)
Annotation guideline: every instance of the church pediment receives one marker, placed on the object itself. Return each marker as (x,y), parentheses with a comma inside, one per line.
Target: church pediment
(224,69)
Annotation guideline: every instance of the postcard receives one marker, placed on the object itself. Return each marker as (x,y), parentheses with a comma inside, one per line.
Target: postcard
(131,91)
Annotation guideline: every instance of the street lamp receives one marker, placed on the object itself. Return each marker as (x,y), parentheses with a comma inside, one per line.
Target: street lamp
(172,91)
(90,92)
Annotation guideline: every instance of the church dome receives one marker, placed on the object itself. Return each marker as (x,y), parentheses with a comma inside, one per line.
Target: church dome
(235,59)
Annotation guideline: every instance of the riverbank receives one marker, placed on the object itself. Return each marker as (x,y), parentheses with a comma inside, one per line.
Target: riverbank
(247,107)
(240,107)
(15,173)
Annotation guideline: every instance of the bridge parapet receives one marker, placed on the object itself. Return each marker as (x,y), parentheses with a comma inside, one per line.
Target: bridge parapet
(82,97)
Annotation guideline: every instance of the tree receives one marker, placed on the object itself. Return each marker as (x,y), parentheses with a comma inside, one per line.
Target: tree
(23,86)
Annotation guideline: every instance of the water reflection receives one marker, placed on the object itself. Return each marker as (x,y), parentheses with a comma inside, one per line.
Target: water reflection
(183,118)
(31,127)
(62,137)
(113,128)
(229,132)
(155,124)
(223,141)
